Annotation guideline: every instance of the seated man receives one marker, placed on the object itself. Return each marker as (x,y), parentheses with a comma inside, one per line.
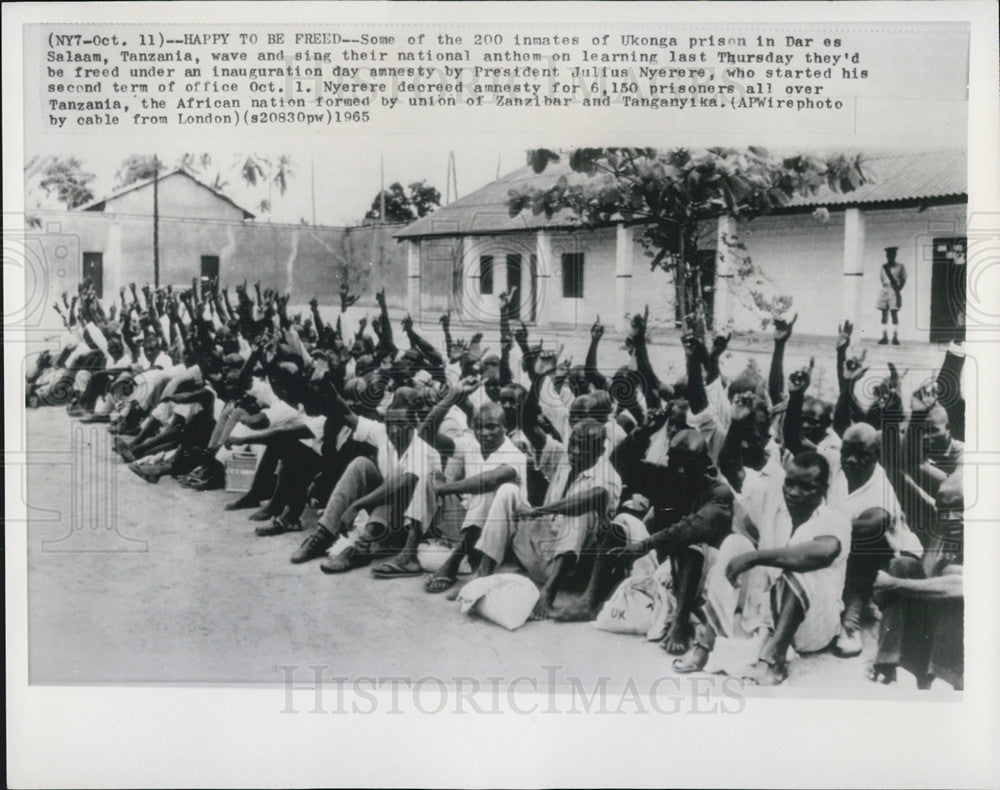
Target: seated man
(797,566)
(863,493)
(922,602)
(692,513)
(932,452)
(383,488)
(486,462)
(547,541)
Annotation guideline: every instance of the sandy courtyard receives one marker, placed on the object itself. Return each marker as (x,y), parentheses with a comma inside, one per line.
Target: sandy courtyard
(158,584)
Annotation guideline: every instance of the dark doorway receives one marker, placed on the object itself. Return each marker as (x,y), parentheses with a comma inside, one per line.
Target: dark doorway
(533,295)
(93,271)
(948,290)
(209,269)
(706,269)
(514,278)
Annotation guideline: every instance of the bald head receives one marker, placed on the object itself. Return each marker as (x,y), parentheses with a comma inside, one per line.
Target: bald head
(863,434)
(859,453)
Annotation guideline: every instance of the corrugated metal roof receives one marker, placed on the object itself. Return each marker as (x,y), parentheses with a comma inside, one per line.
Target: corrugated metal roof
(895,178)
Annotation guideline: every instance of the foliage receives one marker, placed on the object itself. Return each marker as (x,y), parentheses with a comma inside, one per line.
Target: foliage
(402,206)
(137,167)
(65,178)
(669,193)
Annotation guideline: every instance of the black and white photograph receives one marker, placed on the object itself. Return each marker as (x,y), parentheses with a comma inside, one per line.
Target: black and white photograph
(368,367)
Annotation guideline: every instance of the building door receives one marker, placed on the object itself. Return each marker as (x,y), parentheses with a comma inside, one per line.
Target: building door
(209,269)
(706,268)
(948,290)
(93,271)
(514,278)
(533,296)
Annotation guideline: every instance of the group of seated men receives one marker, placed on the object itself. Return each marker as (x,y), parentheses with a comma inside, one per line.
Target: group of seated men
(780,515)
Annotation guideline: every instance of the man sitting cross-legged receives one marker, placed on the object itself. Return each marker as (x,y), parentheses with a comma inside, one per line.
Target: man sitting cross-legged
(547,541)
(485,461)
(791,576)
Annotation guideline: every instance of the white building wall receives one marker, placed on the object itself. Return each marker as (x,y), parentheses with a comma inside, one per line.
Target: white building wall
(804,259)
(178,196)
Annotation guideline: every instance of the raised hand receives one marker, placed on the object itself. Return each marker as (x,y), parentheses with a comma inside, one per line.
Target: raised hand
(314,303)
(783,329)
(720,343)
(844,335)
(597,330)
(380,298)
(521,334)
(362,324)
(895,380)
(854,367)
(799,380)
(925,397)
(445,320)
(407,323)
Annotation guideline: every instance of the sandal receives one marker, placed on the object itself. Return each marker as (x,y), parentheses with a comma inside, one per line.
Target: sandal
(392,569)
(279,526)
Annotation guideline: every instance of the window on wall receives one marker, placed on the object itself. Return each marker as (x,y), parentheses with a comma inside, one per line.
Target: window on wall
(93,271)
(572,275)
(486,274)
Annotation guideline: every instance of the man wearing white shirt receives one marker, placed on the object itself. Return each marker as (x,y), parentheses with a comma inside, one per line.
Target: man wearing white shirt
(863,493)
(789,580)
(383,488)
(547,541)
(482,463)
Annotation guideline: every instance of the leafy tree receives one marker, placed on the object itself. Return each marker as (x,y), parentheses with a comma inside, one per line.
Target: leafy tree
(138,167)
(402,206)
(253,169)
(668,194)
(65,178)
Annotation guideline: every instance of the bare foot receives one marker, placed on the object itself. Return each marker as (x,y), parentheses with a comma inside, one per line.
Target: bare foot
(765,674)
(453,595)
(678,638)
(438,584)
(881,673)
(542,611)
(693,661)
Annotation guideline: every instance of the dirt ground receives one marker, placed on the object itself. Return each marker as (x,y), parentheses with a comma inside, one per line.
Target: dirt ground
(131,582)
(178,590)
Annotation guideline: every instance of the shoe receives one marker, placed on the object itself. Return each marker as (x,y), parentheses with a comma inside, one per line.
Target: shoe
(895,340)
(884,341)
(349,559)
(848,642)
(279,526)
(314,546)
